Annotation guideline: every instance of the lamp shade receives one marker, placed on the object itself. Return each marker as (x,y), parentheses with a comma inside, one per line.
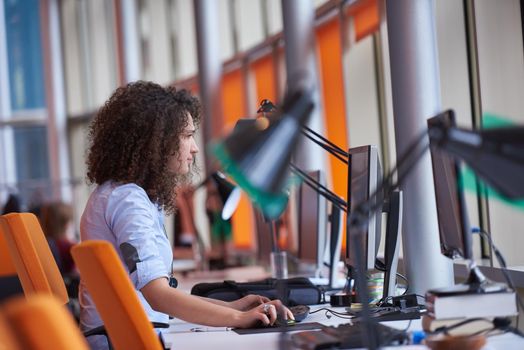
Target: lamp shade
(496,155)
(256,155)
(229,194)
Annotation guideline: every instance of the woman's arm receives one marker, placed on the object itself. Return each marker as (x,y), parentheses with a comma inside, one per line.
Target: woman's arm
(242,304)
(190,308)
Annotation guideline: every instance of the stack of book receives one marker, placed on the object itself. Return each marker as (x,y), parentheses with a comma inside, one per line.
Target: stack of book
(448,310)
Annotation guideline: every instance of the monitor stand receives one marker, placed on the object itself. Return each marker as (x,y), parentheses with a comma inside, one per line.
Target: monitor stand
(476,283)
(333,247)
(393,207)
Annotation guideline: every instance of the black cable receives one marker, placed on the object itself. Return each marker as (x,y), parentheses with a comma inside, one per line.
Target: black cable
(321,189)
(335,150)
(383,301)
(421,296)
(405,280)
(335,313)
(338,149)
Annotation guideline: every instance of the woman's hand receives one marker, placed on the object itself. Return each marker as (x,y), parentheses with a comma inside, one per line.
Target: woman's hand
(281,310)
(264,314)
(261,315)
(248,302)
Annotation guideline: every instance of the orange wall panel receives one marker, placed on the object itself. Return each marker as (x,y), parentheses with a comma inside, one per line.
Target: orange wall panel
(332,86)
(264,72)
(233,95)
(366,18)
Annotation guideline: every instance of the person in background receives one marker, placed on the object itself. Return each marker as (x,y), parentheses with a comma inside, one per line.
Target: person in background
(221,230)
(56,219)
(12,205)
(142,148)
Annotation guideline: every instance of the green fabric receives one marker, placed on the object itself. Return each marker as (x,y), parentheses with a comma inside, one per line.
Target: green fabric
(220,227)
(469,179)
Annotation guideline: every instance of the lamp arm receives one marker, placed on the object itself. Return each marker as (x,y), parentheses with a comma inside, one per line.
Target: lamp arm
(319,188)
(266,106)
(337,148)
(329,146)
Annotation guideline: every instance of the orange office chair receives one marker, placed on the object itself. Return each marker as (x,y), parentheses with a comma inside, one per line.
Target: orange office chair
(7,336)
(39,322)
(7,267)
(34,262)
(8,276)
(116,301)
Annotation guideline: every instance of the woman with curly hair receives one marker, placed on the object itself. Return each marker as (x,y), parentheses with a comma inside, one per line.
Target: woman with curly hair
(141,147)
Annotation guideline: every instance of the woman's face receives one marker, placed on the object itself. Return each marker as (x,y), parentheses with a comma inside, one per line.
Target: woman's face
(181,163)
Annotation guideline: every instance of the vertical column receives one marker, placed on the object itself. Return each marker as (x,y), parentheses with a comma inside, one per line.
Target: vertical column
(299,39)
(7,161)
(416,97)
(209,66)
(476,108)
(56,105)
(131,55)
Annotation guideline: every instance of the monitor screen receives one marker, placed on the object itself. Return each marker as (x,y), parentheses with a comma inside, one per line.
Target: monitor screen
(312,222)
(455,239)
(364,176)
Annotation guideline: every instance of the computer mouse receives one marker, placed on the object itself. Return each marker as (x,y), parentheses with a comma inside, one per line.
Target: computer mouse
(280,322)
(300,312)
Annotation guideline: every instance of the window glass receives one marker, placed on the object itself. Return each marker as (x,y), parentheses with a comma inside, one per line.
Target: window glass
(32,166)
(501,71)
(182,38)
(249,24)
(454,85)
(24,54)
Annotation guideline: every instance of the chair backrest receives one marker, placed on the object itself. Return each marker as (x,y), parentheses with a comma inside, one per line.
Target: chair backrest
(40,322)
(34,262)
(7,336)
(115,297)
(7,266)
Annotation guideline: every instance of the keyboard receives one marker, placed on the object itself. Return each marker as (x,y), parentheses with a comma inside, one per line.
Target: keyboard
(348,336)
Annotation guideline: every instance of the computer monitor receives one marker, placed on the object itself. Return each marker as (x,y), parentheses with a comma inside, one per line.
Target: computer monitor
(364,176)
(312,223)
(455,238)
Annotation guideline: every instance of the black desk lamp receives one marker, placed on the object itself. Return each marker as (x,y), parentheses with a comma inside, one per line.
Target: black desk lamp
(229,193)
(497,155)
(257,155)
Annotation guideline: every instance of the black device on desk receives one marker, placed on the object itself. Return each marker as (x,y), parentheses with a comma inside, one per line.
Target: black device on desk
(347,336)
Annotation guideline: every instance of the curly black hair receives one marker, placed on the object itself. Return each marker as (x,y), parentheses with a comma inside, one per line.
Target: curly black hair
(134,135)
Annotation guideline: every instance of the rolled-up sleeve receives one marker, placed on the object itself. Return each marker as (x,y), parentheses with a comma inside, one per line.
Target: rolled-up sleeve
(132,219)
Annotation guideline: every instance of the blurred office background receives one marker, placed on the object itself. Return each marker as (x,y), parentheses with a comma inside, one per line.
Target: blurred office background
(61,59)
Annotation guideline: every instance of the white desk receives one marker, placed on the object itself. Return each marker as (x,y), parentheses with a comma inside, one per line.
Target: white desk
(180,337)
